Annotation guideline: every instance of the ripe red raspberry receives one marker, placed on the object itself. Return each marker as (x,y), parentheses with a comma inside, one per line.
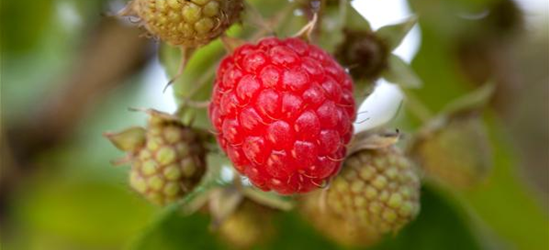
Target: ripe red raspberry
(283,111)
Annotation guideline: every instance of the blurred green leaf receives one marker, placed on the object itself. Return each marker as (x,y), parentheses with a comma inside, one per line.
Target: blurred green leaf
(35,20)
(393,35)
(506,203)
(79,212)
(401,73)
(440,222)
(476,99)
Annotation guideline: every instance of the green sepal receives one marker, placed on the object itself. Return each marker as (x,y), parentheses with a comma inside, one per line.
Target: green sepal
(353,19)
(474,100)
(129,139)
(393,35)
(399,72)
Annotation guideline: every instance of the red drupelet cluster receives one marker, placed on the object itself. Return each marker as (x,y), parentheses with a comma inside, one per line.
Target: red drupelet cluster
(283,112)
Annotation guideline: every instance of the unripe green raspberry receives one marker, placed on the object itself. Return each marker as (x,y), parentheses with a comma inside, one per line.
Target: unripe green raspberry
(250,225)
(168,162)
(187,23)
(378,189)
(455,151)
(334,227)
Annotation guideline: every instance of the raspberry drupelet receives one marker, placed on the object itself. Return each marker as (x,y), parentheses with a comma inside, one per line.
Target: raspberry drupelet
(283,113)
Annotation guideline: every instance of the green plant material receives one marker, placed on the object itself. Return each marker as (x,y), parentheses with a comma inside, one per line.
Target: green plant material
(77,212)
(435,66)
(249,225)
(506,204)
(454,150)
(223,202)
(331,29)
(401,73)
(430,230)
(195,84)
(269,199)
(474,100)
(353,19)
(35,18)
(176,209)
(393,35)
(335,19)
(129,139)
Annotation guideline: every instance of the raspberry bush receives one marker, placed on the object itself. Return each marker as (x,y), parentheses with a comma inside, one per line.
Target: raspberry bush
(280,97)
(263,124)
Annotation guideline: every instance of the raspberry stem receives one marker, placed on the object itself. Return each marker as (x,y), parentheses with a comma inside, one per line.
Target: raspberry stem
(186,54)
(307,30)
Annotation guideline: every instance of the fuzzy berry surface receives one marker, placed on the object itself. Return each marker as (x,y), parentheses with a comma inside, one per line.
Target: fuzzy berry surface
(283,112)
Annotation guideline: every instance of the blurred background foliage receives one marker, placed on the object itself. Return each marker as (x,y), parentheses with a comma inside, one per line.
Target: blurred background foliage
(69,72)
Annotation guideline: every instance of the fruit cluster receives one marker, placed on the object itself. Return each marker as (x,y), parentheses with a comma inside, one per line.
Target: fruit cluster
(282,110)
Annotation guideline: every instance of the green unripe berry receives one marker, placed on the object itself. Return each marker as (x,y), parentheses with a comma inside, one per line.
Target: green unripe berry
(455,152)
(376,189)
(187,23)
(163,166)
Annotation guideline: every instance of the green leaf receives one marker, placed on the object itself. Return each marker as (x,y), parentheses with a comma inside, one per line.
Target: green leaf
(36,18)
(440,222)
(78,211)
(393,35)
(399,72)
(474,100)
(179,232)
(164,217)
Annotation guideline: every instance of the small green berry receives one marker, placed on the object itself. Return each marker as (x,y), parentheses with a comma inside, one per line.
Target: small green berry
(163,166)
(374,194)
(455,152)
(186,23)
